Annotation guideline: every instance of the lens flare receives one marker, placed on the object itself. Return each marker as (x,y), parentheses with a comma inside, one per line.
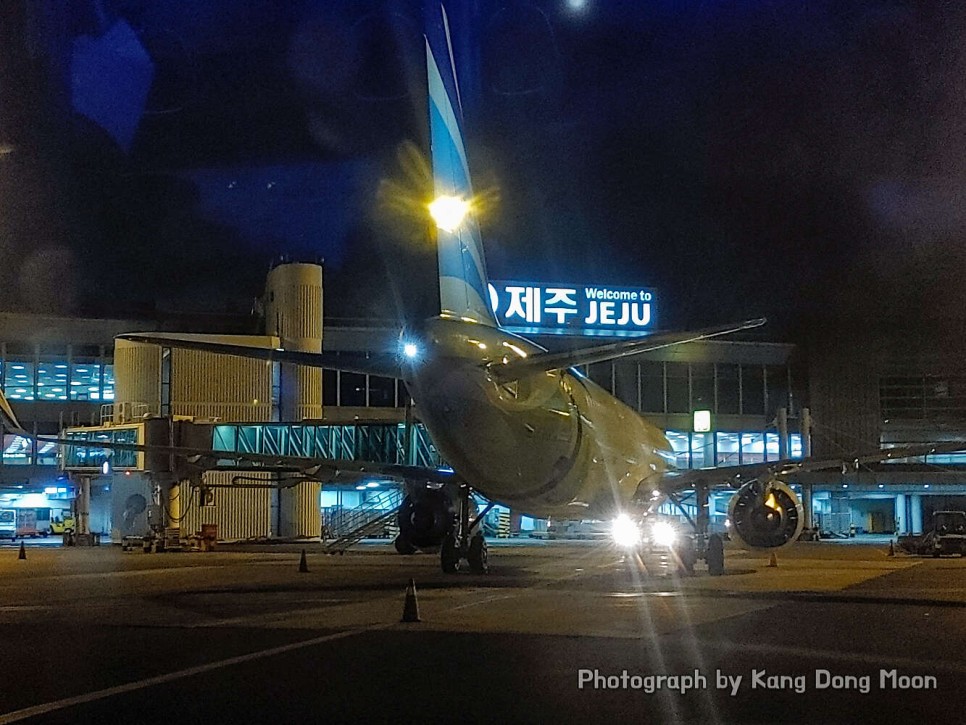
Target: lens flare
(625,532)
(664,534)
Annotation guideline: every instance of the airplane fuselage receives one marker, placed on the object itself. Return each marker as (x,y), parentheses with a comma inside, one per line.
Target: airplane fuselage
(550,444)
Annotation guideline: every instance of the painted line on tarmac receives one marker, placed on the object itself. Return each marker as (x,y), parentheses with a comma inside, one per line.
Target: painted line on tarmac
(48,707)
(891,661)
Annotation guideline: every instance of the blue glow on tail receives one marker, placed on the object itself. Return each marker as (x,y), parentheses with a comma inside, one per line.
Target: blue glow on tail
(462,267)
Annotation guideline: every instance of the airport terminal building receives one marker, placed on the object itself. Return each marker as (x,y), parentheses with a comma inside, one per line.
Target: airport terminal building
(71,373)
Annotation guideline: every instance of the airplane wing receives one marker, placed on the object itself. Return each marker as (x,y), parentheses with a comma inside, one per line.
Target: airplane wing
(736,476)
(546,361)
(385,365)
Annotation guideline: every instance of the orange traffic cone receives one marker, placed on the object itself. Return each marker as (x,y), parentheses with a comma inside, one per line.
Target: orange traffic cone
(303,564)
(411,607)
(23,552)
(892,549)
(773,559)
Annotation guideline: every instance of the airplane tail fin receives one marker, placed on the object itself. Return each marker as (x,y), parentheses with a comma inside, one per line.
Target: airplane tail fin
(7,417)
(463,287)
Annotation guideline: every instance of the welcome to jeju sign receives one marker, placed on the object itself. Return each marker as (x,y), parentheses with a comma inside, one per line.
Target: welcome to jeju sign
(540,308)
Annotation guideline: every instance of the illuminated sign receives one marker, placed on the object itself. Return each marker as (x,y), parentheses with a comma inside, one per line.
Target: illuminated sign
(702,421)
(539,308)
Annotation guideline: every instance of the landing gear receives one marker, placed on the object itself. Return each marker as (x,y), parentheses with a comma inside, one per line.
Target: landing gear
(714,555)
(403,546)
(477,554)
(709,547)
(449,555)
(466,541)
(687,555)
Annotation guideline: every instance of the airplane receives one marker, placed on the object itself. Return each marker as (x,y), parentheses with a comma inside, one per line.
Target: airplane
(519,424)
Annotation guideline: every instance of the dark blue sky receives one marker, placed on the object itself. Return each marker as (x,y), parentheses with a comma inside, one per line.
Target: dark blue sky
(779,158)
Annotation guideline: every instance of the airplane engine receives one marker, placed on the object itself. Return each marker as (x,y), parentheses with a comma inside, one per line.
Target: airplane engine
(426,517)
(766,516)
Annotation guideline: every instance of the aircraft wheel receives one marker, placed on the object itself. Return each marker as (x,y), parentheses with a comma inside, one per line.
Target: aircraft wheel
(403,546)
(715,555)
(477,555)
(449,555)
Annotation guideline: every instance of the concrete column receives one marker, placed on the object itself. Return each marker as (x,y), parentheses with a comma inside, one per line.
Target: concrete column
(807,504)
(174,504)
(299,512)
(782,420)
(902,523)
(293,313)
(84,505)
(806,431)
(915,513)
(515,522)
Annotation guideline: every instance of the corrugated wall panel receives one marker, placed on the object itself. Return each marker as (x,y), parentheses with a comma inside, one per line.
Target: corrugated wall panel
(207,385)
(301,513)
(241,513)
(294,314)
(225,411)
(137,374)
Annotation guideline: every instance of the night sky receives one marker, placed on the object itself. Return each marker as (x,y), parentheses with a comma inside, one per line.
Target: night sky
(800,161)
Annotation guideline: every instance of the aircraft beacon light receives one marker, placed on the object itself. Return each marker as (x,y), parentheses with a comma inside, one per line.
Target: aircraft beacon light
(448,212)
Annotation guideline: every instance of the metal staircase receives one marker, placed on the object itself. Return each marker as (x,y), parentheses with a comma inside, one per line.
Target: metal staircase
(371,517)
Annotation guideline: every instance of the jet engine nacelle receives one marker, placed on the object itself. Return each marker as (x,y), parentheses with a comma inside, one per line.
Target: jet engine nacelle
(426,517)
(766,516)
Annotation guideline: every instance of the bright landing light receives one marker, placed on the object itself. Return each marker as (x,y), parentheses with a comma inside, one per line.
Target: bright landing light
(625,532)
(410,350)
(448,212)
(664,534)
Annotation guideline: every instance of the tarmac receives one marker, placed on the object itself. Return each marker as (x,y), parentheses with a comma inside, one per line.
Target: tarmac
(241,635)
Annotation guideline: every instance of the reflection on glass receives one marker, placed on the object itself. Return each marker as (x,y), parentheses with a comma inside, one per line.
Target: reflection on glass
(752,448)
(728,449)
(772,449)
(108,393)
(52,381)
(16,450)
(85,381)
(19,380)
(702,450)
(679,444)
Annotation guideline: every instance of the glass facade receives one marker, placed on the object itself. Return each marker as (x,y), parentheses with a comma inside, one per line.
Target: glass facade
(363,391)
(680,387)
(923,397)
(56,377)
(702,450)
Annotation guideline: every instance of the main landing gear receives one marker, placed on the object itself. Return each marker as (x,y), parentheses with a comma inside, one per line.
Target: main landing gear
(709,547)
(466,540)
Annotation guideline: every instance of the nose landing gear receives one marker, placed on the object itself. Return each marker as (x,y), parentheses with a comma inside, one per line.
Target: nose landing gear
(466,541)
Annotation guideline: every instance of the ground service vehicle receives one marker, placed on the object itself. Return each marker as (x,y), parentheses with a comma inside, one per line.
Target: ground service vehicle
(8,524)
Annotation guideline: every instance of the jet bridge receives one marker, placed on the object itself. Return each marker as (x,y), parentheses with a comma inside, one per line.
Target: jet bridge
(378,442)
(144,491)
